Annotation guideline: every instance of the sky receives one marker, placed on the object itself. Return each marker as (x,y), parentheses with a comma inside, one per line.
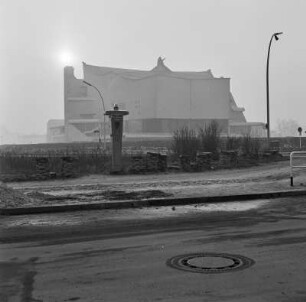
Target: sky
(230,37)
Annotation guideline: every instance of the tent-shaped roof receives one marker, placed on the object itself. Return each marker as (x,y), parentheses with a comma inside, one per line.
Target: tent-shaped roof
(159,69)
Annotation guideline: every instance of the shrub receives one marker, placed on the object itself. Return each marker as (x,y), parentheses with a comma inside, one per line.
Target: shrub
(209,138)
(250,146)
(233,143)
(185,142)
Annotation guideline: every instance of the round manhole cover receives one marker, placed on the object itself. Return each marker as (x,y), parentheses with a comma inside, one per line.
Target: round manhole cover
(209,263)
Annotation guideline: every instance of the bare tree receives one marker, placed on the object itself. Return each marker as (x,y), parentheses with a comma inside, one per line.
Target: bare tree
(287,127)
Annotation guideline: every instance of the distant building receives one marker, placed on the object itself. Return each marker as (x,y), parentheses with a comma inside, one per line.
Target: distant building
(56,131)
(159,101)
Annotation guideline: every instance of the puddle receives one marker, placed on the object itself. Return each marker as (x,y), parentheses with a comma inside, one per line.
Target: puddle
(78,218)
(231,206)
(171,211)
(40,221)
(118,195)
(69,192)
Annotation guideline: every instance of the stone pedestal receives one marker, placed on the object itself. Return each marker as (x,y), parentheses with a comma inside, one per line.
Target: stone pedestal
(185,162)
(116,117)
(203,161)
(229,158)
(42,168)
(68,167)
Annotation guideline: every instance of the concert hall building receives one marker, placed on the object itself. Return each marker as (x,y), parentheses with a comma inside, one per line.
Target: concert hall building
(159,102)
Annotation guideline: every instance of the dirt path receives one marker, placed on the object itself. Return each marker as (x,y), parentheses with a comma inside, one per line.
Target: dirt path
(276,171)
(104,188)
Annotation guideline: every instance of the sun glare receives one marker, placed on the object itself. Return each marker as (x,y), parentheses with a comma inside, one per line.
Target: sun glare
(66,58)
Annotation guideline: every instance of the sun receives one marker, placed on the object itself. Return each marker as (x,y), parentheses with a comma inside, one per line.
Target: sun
(66,57)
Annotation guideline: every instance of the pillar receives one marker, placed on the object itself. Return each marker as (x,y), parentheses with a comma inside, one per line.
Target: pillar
(116,117)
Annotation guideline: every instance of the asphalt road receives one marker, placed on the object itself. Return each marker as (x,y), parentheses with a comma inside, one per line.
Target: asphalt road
(121,255)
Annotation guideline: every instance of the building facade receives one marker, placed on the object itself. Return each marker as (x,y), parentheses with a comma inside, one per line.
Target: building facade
(159,102)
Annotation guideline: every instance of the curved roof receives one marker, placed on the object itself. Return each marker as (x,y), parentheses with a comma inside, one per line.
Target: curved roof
(159,69)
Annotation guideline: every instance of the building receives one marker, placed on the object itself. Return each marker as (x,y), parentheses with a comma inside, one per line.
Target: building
(56,131)
(159,101)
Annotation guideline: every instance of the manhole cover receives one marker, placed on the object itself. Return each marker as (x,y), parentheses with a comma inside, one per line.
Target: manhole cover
(210,263)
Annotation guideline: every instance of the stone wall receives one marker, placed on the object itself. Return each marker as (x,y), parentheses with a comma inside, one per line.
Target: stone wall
(228,158)
(68,168)
(151,162)
(42,168)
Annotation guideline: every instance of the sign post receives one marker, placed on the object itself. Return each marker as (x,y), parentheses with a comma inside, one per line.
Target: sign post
(300,130)
(116,117)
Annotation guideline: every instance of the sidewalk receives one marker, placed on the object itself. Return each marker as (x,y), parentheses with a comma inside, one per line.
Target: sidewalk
(108,191)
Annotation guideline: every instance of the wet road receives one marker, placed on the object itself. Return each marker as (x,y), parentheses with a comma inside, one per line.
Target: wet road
(121,255)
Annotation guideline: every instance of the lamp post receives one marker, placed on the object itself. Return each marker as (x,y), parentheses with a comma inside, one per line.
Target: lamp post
(91,85)
(275,35)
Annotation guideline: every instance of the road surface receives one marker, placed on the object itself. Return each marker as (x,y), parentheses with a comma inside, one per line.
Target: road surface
(121,255)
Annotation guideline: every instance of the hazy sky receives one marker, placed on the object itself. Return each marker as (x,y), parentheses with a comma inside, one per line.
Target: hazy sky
(230,37)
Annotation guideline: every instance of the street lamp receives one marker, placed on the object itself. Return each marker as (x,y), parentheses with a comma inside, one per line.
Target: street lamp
(275,35)
(91,85)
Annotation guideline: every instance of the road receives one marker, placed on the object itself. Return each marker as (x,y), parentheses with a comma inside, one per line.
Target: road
(121,255)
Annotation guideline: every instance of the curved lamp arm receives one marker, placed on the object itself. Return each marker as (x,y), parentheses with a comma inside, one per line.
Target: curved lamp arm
(89,84)
(275,35)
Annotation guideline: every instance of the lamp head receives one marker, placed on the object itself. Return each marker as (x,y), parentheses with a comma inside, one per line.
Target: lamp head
(276,35)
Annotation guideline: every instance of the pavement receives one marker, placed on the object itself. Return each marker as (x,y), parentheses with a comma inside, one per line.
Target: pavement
(134,191)
(123,255)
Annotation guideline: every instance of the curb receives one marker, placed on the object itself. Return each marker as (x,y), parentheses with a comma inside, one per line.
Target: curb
(148,203)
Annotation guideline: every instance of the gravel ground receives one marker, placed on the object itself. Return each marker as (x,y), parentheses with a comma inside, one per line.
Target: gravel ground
(12,198)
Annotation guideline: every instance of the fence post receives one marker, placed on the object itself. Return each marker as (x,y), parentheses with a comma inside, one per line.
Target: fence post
(299,155)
